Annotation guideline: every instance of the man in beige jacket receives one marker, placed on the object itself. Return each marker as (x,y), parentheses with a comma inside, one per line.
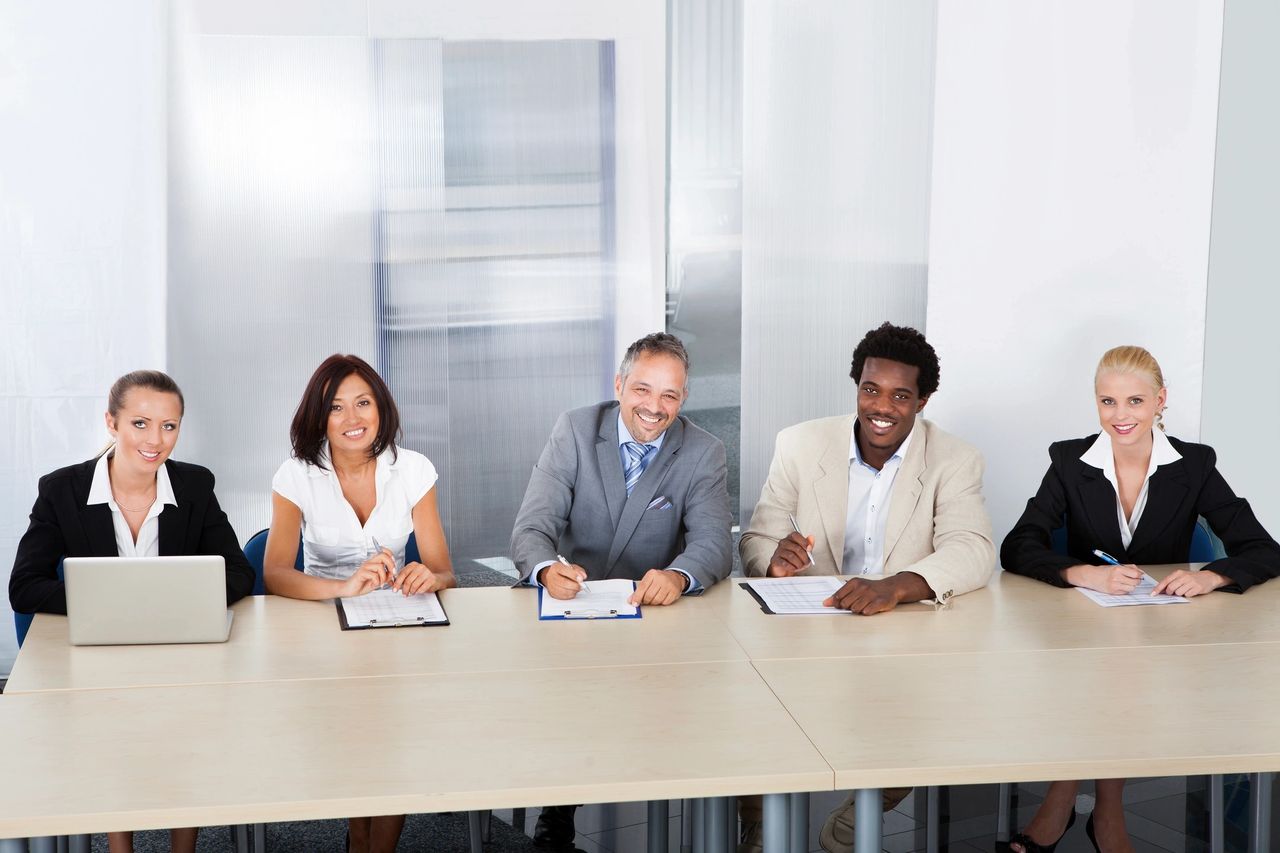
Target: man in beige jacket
(882,496)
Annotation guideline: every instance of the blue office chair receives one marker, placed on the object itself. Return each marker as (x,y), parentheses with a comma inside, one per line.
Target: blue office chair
(1205,546)
(256,548)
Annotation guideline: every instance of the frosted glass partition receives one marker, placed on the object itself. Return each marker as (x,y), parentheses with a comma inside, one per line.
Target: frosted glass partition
(444,208)
(270,250)
(1240,342)
(704,255)
(82,215)
(496,252)
(837,142)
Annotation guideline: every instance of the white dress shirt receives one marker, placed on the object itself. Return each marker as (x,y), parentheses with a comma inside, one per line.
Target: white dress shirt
(334,542)
(868,508)
(148,543)
(1101,455)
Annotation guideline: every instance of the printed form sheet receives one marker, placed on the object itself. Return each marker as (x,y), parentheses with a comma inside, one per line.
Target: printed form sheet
(1140,595)
(798,594)
(387,607)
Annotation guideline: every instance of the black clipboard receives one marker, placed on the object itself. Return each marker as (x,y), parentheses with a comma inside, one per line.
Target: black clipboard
(751,590)
(405,623)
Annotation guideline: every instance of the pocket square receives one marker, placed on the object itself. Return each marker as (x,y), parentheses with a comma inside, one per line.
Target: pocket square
(660,502)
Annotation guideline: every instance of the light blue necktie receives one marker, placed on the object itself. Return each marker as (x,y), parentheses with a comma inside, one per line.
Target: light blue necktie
(637,461)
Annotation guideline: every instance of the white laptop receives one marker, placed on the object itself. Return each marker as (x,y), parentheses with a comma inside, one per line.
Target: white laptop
(130,600)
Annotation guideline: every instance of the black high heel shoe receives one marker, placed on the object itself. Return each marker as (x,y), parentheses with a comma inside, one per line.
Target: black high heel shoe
(1031,846)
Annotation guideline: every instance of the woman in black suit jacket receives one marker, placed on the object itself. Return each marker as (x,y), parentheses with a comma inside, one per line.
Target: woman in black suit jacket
(132,500)
(1134,494)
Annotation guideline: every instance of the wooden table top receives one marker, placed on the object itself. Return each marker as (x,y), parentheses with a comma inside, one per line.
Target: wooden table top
(150,757)
(966,719)
(1012,613)
(492,629)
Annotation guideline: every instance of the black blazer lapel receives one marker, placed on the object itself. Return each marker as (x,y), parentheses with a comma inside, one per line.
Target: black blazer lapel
(1099,501)
(175,520)
(1166,491)
(95,521)
(638,501)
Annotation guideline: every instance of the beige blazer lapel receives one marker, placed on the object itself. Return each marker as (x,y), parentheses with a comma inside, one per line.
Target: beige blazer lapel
(906,490)
(831,489)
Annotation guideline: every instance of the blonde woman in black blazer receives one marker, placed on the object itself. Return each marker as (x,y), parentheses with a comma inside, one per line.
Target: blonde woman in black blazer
(133,500)
(1134,494)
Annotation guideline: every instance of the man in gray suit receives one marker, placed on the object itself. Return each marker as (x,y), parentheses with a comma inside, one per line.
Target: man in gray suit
(627,489)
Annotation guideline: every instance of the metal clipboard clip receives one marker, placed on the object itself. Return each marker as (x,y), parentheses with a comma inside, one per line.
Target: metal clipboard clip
(589,614)
(398,623)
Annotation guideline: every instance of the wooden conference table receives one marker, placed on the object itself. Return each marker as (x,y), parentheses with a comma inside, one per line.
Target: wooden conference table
(293,719)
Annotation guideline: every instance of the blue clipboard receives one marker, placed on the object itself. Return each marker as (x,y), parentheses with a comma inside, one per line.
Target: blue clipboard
(569,614)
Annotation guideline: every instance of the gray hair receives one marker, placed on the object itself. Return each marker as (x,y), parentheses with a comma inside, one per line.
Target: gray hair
(658,343)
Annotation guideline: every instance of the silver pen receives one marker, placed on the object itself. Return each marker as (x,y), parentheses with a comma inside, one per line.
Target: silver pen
(796,528)
(377,547)
(583,582)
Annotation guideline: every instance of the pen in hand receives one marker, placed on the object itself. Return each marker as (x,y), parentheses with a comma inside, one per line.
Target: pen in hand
(378,549)
(582,583)
(1128,576)
(796,528)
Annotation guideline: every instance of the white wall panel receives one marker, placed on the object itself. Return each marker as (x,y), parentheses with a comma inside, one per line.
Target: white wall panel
(1072,180)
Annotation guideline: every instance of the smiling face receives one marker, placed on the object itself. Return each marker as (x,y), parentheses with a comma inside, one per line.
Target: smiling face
(651,394)
(888,402)
(145,429)
(1127,406)
(353,417)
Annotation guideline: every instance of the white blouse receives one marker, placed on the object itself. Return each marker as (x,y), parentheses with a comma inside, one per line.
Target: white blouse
(148,544)
(1100,455)
(334,543)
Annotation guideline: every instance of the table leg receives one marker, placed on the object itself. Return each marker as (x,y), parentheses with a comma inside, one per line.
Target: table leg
(79,843)
(933,820)
(717,838)
(659,826)
(1003,811)
(259,839)
(799,823)
(731,822)
(47,844)
(699,835)
(868,827)
(776,833)
(686,826)
(1217,829)
(13,845)
(1260,789)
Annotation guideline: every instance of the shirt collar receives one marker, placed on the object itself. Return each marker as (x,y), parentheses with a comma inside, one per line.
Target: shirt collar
(382,472)
(855,455)
(624,435)
(100,488)
(1101,455)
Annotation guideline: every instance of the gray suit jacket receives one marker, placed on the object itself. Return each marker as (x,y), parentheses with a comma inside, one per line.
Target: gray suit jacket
(577,504)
